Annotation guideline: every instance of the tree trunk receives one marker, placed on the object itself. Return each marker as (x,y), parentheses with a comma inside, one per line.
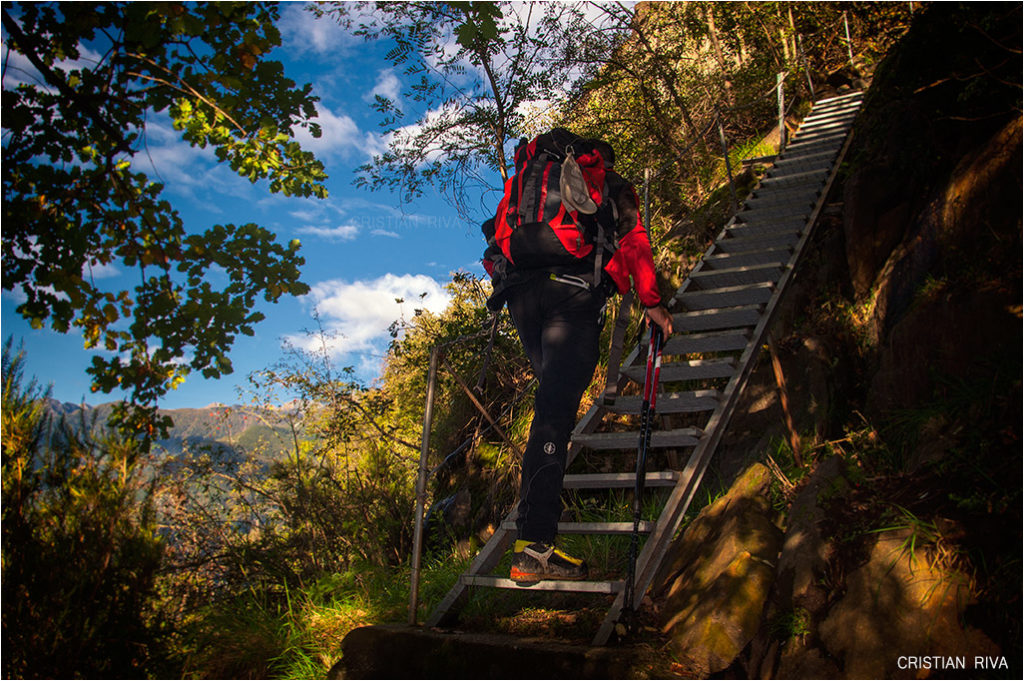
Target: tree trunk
(716,46)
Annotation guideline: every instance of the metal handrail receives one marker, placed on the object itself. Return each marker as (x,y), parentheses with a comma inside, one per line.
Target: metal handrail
(423,473)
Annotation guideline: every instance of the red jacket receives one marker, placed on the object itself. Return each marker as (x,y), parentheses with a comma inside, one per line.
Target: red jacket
(631,264)
(633,259)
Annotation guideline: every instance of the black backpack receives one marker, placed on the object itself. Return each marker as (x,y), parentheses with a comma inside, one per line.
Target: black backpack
(556,209)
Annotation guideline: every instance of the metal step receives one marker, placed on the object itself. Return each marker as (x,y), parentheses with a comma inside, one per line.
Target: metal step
(816,158)
(797,173)
(694,370)
(724,261)
(777,196)
(833,125)
(775,210)
(733,243)
(768,219)
(835,106)
(816,141)
(644,527)
(711,341)
(771,215)
(790,192)
(545,585)
(787,180)
(801,164)
(820,138)
(839,105)
(844,108)
(737,276)
(618,480)
(839,122)
(689,402)
(733,296)
(660,439)
(716,320)
(767,227)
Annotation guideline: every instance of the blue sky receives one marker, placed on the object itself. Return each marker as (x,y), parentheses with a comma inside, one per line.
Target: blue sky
(362,249)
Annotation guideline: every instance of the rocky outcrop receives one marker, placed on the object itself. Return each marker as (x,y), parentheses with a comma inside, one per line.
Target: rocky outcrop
(903,602)
(861,604)
(949,327)
(718,575)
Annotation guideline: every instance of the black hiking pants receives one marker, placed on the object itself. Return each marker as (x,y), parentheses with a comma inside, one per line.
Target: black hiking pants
(560,328)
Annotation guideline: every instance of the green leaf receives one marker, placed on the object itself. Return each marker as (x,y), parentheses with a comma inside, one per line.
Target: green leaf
(72,199)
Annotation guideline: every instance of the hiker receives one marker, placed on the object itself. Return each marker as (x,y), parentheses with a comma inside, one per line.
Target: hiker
(567,233)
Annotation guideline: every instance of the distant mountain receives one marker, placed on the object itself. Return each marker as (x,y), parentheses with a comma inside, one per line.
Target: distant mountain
(216,426)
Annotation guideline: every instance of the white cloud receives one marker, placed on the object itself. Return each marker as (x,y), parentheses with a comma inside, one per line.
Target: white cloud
(541,115)
(356,315)
(444,133)
(18,70)
(375,144)
(339,233)
(100,271)
(189,171)
(353,216)
(174,161)
(16,295)
(303,33)
(339,135)
(310,214)
(387,86)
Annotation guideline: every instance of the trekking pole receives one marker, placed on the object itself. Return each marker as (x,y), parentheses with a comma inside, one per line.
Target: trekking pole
(646,424)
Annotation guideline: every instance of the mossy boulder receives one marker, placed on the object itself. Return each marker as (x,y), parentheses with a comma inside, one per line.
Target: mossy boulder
(903,602)
(719,574)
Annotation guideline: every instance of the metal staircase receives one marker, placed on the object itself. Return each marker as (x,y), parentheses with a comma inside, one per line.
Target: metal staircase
(721,314)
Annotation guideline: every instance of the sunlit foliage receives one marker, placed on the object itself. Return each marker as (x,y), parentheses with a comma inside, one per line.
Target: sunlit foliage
(83,83)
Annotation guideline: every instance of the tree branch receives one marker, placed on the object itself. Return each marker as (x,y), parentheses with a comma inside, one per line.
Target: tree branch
(29,47)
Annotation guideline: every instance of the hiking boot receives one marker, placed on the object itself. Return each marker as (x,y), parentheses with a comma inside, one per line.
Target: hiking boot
(532,562)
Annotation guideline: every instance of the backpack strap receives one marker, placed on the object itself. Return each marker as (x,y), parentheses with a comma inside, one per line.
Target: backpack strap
(602,235)
(599,258)
(535,176)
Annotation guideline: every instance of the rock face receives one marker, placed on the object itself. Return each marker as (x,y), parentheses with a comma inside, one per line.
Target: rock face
(954,328)
(834,612)
(719,574)
(899,604)
(803,563)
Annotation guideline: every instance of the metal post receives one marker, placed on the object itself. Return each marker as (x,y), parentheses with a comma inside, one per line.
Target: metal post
(647,202)
(849,43)
(728,165)
(807,68)
(421,486)
(779,79)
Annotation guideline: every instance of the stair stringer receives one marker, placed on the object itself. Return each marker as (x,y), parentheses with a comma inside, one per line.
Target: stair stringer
(656,547)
